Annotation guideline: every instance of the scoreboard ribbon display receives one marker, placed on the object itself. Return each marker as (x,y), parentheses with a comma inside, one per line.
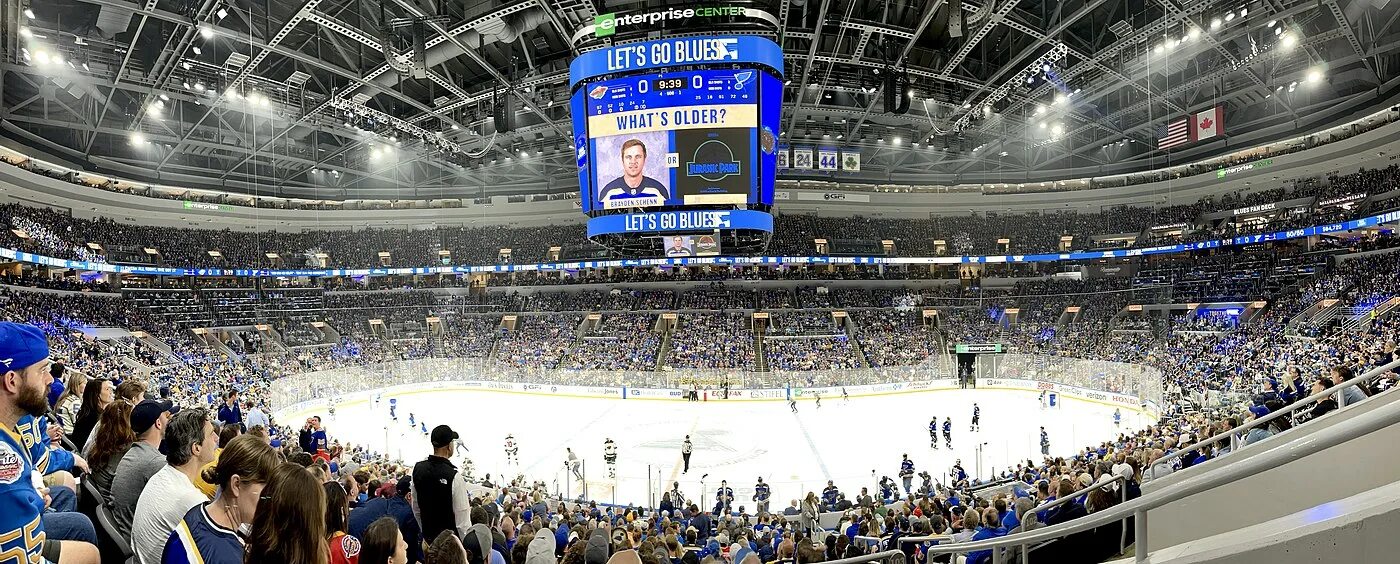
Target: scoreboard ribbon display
(656,124)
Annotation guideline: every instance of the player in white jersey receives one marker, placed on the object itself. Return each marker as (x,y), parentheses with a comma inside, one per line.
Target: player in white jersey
(610,457)
(512,450)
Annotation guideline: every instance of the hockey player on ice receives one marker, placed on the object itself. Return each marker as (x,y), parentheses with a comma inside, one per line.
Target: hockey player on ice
(610,457)
(512,450)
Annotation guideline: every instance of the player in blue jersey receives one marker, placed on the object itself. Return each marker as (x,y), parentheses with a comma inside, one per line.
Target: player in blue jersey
(633,184)
(393,406)
(948,431)
(1117,417)
(411,421)
(24,382)
(906,473)
(424,428)
(933,432)
(1044,442)
(976,418)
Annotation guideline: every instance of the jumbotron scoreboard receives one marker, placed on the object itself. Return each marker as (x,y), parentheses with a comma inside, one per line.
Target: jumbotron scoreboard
(678,137)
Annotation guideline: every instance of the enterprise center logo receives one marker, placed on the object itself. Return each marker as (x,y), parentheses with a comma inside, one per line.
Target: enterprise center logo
(607,24)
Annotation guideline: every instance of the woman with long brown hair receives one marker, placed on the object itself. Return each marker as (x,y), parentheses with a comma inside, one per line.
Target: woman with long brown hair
(114,438)
(74,383)
(290,525)
(97,396)
(214,532)
(342,547)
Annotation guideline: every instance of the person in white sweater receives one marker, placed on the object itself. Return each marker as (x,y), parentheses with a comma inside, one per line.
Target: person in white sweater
(190,443)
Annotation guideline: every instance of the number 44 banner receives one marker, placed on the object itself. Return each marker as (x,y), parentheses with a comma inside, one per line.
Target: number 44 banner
(850,161)
(826,159)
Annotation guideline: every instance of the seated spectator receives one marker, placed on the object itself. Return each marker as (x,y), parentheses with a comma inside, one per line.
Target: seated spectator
(384,543)
(210,532)
(447,549)
(96,397)
(23,387)
(395,503)
(189,444)
(290,524)
(148,421)
(114,438)
(343,548)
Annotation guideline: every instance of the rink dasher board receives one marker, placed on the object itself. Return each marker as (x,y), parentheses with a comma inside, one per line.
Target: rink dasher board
(1132,403)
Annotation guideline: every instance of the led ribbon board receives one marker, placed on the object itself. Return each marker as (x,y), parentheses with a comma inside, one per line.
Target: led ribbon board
(676,123)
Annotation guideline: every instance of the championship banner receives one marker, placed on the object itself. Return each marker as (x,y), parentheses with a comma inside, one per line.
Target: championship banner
(826,159)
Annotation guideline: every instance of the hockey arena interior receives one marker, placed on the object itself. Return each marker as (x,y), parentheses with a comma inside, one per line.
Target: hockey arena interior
(658,282)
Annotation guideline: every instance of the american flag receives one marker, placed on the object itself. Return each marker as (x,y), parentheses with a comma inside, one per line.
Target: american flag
(1178,133)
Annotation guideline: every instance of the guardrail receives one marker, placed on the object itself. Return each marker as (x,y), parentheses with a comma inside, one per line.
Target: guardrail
(1281,453)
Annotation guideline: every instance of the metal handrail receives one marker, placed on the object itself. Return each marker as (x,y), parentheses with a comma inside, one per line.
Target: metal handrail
(1282,453)
(895,555)
(1231,434)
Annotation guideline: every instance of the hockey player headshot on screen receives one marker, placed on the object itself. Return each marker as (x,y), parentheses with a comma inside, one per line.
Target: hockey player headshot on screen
(632,183)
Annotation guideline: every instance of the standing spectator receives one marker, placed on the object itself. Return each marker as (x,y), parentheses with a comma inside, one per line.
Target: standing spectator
(289,526)
(383,543)
(189,444)
(229,412)
(256,417)
(114,438)
(24,354)
(148,422)
(210,532)
(441,500)
(96,396)
(395,504)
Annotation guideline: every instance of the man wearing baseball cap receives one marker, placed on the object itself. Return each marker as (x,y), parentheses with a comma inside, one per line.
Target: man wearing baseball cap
(24,361)
(441,500)
(141,461)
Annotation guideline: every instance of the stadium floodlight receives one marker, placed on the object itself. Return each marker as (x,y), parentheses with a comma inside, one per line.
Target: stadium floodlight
(197,50)
(57,59)
(1215,23)
(28,13)
(1039,109)
(199,87)
(1288,40)
(1272,23)
(1061,99)
(206,32)
(222,13)
(164,98)
(1314,75)
(138,138)
(896,141)
(1229,16)
(25,33)
(1160,48)
(1193,34)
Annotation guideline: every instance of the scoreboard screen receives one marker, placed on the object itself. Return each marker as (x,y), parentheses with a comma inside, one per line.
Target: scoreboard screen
(677,123)
(676,138)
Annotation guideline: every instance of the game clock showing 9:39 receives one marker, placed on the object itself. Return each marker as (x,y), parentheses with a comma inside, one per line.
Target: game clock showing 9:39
(674,83)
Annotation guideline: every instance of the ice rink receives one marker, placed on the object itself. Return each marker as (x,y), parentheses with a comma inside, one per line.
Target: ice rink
(845,440)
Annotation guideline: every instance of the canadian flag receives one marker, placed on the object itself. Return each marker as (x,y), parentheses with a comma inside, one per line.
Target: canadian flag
(1207,124)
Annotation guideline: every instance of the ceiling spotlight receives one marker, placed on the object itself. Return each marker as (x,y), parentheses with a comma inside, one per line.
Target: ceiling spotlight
(1061,98)
(86,67)
(524,154)
(1244,11)
(138,138)
(199,87)
(1004,153)
(206,32)
(57,59)
(263,101)
(164,98)
(42,57)
(222,13)
(1039,109)
(1288,40)
(787,82)
(967,105)
(840,135)
(1058,129)
(197,50)
(25,33)
(1314,75)
(1030,80)
(987,109)
(1272,23)
(1193,34)
(1042,125)
(1292,85)
(897,141)
(28,13)
(186,65)
(232,94)
(185,84)
(455,127)
(1215,23)
(1160,48)
(1278,30)
(1045,68)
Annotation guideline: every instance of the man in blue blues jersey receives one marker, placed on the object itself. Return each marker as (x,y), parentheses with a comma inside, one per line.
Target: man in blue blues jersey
(948,431)
(933,432)
(761,494)
(976,418)
(24,360)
